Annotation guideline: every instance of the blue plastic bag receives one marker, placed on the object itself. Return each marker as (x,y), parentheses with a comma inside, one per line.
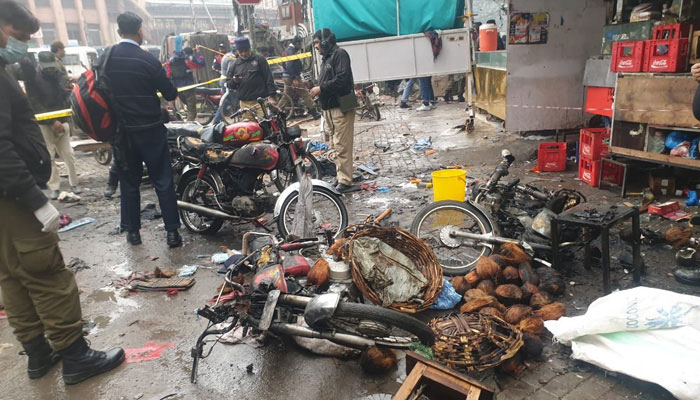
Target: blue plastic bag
(448,297)
(692,198)
(694,151)
(674,138)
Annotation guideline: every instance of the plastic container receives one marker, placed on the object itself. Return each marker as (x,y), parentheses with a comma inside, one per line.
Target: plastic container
(589,171)
(628,56)
(551,157)
(488,37)
(667,55)
(449,184)
(594,143)
(656,143)
(612,173)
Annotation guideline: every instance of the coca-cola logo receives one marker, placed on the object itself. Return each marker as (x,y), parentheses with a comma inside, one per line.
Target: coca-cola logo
(550,164)
(625,64)
(659,63)
(587,175)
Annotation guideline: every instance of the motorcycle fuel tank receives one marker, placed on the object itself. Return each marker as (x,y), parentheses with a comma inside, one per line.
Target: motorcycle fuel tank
(242,133)
(258,156)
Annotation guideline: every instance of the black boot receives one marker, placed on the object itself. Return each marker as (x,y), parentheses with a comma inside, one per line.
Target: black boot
(314,113)
(687,276)
(174,239)
(134,238)
(80,362)
(41,357)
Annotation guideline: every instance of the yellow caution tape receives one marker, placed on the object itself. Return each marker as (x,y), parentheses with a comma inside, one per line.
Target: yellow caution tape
(54,114)
(289,58)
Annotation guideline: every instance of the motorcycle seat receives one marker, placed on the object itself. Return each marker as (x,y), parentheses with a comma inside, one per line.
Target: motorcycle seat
(207,91)
(177,129)
(206,152)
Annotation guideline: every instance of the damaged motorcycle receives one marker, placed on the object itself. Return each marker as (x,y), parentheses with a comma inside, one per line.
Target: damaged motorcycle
(221,182)
(494,213)
(277,302)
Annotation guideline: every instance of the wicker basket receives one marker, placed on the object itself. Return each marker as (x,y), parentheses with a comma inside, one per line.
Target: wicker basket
(473,341)
(411,247)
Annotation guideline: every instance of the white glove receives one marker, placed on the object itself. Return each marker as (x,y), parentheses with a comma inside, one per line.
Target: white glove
(49,217)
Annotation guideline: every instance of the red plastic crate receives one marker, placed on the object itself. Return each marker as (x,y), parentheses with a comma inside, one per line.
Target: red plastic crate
(594,142)
(589,171)
(612,173)
(551,157)
(599,100)
(673,31)
(628,56)
(666,55)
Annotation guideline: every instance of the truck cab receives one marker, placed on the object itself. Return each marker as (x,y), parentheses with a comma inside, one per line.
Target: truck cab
(78,59)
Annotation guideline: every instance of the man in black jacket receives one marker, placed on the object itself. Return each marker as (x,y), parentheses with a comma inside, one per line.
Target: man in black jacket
(39,293)
(250,75)
(336,83)
(135,76)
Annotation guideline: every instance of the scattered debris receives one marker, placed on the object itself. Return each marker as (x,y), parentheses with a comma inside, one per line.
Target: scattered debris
(77,224)
(68,197)
(188,270)
(64,220)
(219,258)
(669,210)
(150,212)
(430,152)
(4,346)
(149,352)
(76,264)
(424,144)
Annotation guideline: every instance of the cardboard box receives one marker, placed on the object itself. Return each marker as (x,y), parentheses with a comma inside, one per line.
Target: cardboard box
(670,210)
(660,185)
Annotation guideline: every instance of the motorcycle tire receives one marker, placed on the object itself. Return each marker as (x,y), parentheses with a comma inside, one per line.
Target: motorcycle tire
(388,317)
(282,179)
(467,210)
(206,111)
(182,188)
(377,114)
(103,156)
(282,221)
(288,104)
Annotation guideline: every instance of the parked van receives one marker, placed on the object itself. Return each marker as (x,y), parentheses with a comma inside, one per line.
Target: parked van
(78,59)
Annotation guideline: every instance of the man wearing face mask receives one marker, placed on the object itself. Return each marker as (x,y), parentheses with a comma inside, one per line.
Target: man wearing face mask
(46,89)
(250,75)
(136,76)
(39,293)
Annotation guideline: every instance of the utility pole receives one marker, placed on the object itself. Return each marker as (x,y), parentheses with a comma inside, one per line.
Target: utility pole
(251,26)
(194,19)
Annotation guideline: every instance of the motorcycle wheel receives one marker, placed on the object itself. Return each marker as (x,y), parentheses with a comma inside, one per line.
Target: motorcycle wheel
(282,179)
(329,213)
(206,111)
(405,329)
(460,257)
(288,108)
(377,114)
(205,197)
(103,156)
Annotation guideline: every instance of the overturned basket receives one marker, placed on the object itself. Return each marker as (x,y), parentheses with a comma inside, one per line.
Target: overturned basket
(411,247)
(473,341)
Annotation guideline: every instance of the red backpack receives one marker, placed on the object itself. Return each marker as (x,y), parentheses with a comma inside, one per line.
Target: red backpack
(94,108)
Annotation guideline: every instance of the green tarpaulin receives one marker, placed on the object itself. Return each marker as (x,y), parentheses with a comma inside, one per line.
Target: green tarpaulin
(368,19)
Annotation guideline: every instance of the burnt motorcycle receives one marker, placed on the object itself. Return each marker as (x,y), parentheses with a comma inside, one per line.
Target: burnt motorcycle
(277,302)
(494,213)
(221,182)
(368,101)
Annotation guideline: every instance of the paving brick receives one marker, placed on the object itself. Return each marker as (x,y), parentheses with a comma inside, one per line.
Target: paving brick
(602,379)
(542,395)
(539,376)
(563,384)
(517,391)
(588,390)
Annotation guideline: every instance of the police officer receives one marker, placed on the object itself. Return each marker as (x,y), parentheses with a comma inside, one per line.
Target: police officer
(250,75)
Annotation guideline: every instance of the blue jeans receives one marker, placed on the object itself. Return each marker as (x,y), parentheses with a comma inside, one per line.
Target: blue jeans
(426,89)
(231,97)
(149,147)
(407,91)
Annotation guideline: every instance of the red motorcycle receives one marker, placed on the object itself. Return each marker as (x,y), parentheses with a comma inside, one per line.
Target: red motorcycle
(208,100)
(223,178)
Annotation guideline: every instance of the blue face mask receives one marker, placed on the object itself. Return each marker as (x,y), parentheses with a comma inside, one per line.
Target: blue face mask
(14,51)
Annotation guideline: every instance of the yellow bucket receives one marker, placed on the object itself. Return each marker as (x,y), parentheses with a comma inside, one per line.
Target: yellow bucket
(449,184)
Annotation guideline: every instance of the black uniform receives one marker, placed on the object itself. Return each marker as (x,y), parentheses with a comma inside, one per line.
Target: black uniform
(257,78)
(336,77)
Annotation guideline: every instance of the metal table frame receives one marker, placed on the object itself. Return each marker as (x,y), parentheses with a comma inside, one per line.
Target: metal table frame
(622,213)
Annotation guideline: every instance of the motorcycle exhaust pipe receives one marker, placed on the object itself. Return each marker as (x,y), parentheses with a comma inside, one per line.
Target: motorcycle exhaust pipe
(343,338)
(209,212)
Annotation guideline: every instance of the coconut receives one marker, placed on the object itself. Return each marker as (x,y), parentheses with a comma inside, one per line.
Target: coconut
(540,300)
(378,360)
(515,314)
(472,294)
(550,312)
(487,268)
(459,283)
(532,325)
(514,254)
(487,286)
(527,274)
(513,366)
(528,290)
(498,259)
(553,285)
(509,294)
(511,275)
(678,236)
(337,249)
(319,274)
(478,304)
(472,278)
(532,346)
(493,311)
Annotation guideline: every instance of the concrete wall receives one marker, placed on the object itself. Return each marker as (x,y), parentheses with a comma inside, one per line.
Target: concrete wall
(550,75)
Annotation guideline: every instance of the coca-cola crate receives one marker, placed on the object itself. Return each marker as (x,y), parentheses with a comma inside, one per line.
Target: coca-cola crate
(594,142)
(589,171)
(551,157)
(668,55)
(628,56)
(672,31)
